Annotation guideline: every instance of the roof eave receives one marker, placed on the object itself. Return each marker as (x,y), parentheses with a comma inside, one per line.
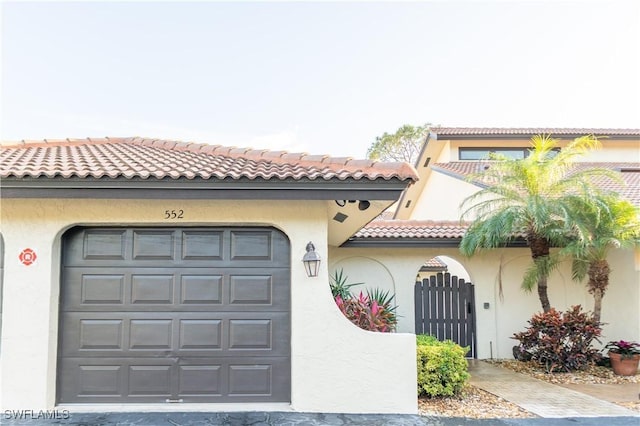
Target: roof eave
(524,136)
(386,242)
(183,188)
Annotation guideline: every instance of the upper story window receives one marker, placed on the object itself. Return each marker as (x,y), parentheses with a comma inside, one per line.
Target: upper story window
(483,153)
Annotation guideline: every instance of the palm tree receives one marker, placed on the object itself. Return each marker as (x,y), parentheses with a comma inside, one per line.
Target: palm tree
(611,222)
(527,199)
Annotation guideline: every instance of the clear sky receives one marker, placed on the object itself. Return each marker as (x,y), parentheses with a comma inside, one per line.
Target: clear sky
(323,77)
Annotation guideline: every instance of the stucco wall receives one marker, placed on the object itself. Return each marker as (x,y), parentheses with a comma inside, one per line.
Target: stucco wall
(510,308)
(441,198)
(335,366)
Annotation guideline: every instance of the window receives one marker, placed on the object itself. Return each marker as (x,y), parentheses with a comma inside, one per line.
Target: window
(483,153)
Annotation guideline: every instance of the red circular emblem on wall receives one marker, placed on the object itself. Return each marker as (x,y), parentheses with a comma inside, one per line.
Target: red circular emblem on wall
(27,256)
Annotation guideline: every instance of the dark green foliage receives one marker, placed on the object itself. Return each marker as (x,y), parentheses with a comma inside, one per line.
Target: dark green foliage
(561,342)
(442,367)
(339,286)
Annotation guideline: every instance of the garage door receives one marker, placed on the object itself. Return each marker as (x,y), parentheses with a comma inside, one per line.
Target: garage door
(174,315)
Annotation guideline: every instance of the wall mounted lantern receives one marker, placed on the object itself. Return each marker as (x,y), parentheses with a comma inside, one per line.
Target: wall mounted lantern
(311,261)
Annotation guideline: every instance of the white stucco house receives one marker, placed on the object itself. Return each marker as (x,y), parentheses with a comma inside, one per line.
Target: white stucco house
(143,272)
(426,225)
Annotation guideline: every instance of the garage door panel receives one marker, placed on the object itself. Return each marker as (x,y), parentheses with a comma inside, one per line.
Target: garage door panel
(165,314)
(102,289)
(100,380)
(200,247)
(251,245)
(150,380)
(105,245)
(141,334)
(101,334)
(201,289)
(200,334)
(152,289)
(150,334)
(200,380)
(225,379)
(175,289)
(251,289)
(153,245)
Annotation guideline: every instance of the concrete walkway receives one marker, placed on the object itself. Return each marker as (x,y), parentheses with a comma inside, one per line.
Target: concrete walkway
(541,398)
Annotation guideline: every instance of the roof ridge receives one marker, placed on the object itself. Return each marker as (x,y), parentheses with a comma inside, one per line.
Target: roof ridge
(488,130)
(50,142)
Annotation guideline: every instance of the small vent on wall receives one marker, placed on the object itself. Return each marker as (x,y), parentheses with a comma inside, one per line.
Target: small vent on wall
(340,217)
(406,206)
(426,163)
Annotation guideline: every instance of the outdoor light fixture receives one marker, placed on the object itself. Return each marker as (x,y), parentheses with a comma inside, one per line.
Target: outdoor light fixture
(311,261)
(363,205)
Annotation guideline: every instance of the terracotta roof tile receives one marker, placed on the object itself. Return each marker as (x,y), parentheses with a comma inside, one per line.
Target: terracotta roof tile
(146,158)
(414,229)
(434,263)
(530,131)
(629,172)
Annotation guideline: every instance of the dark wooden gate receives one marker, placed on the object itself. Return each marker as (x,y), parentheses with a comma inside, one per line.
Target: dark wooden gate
(445,308)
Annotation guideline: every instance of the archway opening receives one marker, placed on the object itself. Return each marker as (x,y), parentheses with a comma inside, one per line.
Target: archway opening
(444,300)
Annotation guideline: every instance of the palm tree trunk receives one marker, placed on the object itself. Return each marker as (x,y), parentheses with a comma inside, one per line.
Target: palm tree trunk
(598,282)
(597,305)
(543,295)
(540,253)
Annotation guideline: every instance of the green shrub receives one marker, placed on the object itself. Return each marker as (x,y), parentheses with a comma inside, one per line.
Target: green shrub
(442,367)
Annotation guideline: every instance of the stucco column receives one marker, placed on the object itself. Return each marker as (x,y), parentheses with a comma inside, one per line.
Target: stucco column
(28,337)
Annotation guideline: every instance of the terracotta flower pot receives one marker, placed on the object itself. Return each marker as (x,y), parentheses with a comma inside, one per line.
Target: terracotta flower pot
(624,366)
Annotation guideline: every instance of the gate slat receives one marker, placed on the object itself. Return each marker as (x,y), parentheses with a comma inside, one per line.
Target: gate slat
(440,293)
(472,321)
(433,312)
(462,312)
(446,313)
(419,312)
(455,300)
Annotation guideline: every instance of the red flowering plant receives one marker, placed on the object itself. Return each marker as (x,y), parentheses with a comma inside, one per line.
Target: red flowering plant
(624,348)
(373,310)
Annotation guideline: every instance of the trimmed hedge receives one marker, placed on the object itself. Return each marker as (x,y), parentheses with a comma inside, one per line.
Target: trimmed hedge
(442,367)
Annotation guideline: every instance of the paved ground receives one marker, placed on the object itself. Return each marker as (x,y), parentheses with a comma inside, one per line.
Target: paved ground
(541,398)
(624,392)
(556,406)
(305,419)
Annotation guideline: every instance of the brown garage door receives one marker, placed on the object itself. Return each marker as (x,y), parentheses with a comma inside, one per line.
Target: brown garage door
(174,315)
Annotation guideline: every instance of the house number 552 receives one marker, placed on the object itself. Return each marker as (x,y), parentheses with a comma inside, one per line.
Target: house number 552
(173,214)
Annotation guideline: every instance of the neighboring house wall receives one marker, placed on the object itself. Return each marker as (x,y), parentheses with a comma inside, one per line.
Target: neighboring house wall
(507,314)
(335,367)
(441,198)
(611,150)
